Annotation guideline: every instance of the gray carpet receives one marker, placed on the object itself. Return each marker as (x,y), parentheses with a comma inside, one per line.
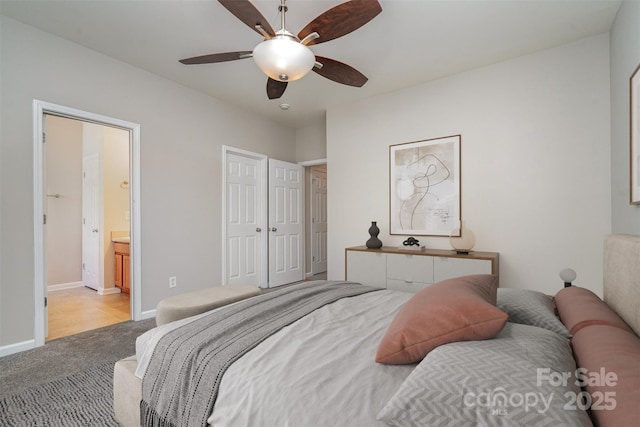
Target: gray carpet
(69,381)
(81,399)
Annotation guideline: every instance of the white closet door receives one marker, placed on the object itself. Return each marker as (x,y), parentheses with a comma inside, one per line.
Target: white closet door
(244,219)
(286,223)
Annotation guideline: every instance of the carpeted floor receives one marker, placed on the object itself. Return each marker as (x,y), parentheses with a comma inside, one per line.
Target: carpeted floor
(69,381)
(81,399)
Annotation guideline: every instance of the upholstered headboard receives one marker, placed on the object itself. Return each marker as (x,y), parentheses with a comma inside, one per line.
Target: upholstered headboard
(622,277)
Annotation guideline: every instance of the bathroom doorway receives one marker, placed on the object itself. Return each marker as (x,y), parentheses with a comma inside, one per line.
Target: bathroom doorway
(112,223)
(86,175)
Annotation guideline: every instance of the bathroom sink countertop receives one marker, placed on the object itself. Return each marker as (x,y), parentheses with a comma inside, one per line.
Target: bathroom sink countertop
(120,239)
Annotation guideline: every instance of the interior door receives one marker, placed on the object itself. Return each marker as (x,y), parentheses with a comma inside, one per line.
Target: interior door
(286,224)
(90,221)
(318,221)
(244,219)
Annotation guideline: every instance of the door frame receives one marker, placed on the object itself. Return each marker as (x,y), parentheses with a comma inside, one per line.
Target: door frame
(264,260)
(40,108)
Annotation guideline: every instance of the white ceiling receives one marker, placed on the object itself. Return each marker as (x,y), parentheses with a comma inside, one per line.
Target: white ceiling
(410,42)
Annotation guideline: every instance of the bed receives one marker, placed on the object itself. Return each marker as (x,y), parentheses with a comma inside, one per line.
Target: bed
(335,353)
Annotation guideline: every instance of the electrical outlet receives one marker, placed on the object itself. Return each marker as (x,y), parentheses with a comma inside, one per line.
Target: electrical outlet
(173,282)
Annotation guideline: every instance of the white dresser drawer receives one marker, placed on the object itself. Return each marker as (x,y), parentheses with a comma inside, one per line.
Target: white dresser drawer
(412,268)
(447,268)
(368,268)
(406,286)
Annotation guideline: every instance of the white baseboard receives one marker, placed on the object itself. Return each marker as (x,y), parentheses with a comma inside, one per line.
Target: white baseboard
(147,314)
(61,286)
(108,291)
(17,347)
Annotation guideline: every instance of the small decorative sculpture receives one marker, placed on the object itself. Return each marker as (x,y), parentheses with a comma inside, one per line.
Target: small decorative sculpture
(411,241)
(374,242)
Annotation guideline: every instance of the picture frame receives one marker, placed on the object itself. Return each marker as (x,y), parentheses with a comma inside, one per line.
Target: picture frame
(424,187)
(634,127)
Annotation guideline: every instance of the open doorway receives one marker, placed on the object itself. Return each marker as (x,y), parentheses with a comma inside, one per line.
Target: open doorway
(88,223)
(316,219)
(94,222)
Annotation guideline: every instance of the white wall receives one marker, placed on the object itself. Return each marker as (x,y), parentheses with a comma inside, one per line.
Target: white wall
(311,142)
(625,57)
(182,133)
(535,161)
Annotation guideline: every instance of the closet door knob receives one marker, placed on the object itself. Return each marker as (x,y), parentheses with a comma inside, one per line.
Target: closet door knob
(274,229)
(258,229)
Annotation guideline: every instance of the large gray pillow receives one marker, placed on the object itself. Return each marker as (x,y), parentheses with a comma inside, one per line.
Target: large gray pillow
(487,382)
(532,308)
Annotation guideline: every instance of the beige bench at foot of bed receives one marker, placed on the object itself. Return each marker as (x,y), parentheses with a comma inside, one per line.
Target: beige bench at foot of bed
(127,392)
(192,303)
(127,388)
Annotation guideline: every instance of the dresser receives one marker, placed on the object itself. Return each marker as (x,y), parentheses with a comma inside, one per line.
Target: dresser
(412,270)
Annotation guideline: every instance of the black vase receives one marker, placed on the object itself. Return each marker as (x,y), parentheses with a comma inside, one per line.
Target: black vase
(374,242)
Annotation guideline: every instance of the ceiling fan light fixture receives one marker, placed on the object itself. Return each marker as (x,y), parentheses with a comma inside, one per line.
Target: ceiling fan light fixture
(283,58)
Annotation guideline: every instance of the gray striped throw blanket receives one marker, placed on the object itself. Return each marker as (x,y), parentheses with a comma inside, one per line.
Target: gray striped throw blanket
(181,383)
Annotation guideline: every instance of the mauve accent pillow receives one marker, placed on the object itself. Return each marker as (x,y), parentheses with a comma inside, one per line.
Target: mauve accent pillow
(579,307)
(459,309)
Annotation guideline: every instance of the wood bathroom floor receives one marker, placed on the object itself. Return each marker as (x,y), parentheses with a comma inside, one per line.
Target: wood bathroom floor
(76,310)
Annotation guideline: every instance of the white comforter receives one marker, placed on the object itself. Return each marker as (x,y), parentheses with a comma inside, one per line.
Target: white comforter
(319,371)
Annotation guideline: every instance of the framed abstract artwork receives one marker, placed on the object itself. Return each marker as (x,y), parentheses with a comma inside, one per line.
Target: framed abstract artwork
(634,104)
(424,187)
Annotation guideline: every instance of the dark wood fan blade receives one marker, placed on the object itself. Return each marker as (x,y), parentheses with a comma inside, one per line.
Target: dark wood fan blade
(245,11)
(217,57)
(341,19)
(275,88)
(340,72)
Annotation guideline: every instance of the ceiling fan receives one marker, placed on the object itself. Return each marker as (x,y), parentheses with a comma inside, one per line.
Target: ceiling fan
(284,57)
